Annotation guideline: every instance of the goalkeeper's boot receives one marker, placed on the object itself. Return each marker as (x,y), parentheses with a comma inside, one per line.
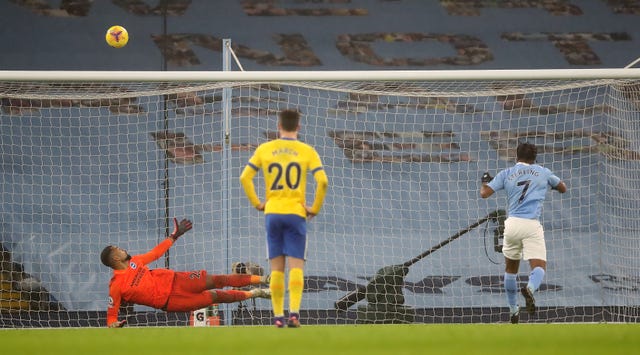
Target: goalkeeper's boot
(515,317)
(294,320)
(260,293)
(265,279)
(530,301)
(278,322)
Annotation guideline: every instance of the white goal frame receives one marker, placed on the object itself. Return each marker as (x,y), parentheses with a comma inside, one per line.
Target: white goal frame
(329,75)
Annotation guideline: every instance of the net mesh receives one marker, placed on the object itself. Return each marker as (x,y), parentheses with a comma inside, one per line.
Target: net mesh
(403,236)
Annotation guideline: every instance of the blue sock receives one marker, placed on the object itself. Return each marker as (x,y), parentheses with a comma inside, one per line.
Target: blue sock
(535,278)
(511,286)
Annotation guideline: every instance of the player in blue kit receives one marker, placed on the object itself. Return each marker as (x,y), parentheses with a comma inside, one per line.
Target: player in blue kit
(526,185)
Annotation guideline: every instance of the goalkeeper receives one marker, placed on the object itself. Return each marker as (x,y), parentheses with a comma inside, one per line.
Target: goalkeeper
(526,185)
(171,291)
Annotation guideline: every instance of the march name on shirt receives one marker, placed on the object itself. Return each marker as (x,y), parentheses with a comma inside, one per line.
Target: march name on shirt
(284,151)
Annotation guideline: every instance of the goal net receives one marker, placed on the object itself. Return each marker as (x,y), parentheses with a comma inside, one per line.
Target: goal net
(403,236)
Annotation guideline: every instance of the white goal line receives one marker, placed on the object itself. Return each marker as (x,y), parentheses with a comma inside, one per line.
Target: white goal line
(329,75)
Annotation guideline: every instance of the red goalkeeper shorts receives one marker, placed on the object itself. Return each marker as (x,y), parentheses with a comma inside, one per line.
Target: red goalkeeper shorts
(189,292)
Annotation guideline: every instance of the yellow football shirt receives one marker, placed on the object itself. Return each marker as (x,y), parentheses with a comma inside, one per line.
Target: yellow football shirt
(285,164)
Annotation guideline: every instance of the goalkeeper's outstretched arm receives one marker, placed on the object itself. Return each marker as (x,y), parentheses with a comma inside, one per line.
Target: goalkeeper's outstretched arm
(179,229)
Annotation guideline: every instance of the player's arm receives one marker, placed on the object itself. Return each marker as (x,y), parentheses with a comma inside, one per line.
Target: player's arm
(561,187)
(485,190)
(179,229)
(556,184)
(112,310)
(246,179)
(322,183)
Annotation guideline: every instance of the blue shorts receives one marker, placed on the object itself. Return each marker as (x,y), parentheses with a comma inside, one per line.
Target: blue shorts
(286,235)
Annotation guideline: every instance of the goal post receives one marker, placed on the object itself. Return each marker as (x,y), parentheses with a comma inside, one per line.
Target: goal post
(91,159)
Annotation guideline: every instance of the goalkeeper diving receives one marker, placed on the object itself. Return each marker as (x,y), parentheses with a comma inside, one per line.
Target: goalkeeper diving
(168,290)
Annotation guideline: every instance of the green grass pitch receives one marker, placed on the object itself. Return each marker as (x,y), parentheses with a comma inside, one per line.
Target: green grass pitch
(345,339)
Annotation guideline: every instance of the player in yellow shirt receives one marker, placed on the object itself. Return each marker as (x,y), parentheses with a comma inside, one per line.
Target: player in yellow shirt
(285,163)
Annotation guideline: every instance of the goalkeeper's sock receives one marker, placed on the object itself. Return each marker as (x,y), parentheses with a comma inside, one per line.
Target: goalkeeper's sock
(535,279)
(511,287)
(229,296)
(276,286)
(235,280)
(296,286)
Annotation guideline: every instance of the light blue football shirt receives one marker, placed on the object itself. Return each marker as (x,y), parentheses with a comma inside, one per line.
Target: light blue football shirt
(526,186)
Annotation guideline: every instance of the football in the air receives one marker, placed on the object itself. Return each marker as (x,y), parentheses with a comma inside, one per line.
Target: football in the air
(117,36)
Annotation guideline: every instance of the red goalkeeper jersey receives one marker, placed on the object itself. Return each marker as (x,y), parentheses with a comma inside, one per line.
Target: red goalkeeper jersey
(137,284)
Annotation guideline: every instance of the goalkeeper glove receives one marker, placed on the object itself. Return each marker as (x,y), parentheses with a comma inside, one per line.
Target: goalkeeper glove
(180,228)
(486,177)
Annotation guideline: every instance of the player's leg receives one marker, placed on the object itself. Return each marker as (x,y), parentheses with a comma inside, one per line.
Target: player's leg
(538,270)
(199,280)
(295,245)
(277,264)
(511,288)
(189,292)
(183,301)
(188,282)
(230,296)
(512,251)
(232,280)
(296,287)
(535,251)
(535,280)
(276,286)
(538,267)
